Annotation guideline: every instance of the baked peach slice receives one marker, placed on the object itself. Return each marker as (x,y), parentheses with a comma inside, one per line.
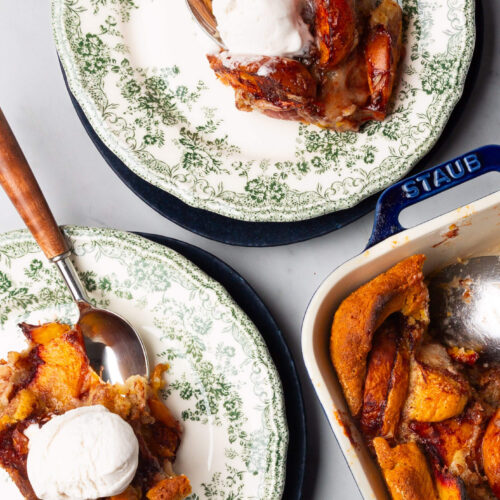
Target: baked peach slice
(336,34)
(405,471)
(448,486)
(434,396)
(172,488)
(400,289)
(63,374)
(22,405)
(436,391)
(455,443)
(378,375)
(54,372)
(491,453)
(43,334)
(386,382)
(277,86)
(382,54)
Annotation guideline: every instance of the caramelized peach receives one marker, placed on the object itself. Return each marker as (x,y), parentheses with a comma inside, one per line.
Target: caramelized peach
(378,376)
(397,393)
(402,289)
(455,443)
(43,334)
(405,471)
(336,34)
(165,432)
(270,84)
(449,487)
(19,408)
(63,374)
(382,54)
(434,394)
(172,488)
(386,382)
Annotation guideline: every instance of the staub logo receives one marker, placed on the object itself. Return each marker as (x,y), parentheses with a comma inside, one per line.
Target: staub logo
(441,176)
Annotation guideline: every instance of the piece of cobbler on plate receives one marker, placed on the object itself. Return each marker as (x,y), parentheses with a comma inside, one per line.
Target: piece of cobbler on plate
(339,74)
(64,433)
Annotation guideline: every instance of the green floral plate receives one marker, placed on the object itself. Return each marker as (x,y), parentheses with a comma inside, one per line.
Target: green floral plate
(138,70)
(222,383)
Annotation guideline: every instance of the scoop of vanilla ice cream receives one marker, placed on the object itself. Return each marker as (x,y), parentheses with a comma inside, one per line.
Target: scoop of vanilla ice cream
(262,27)
(86,453)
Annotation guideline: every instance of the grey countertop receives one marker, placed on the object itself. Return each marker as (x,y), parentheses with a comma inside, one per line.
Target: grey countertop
(83,190)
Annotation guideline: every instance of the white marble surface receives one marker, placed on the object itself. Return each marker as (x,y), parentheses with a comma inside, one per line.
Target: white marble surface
(83,190)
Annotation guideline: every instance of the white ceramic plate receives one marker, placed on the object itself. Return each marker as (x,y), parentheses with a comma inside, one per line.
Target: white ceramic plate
(139,72)
(222,383)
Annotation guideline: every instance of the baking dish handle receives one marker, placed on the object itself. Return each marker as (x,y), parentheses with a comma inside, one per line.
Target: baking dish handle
(426,184)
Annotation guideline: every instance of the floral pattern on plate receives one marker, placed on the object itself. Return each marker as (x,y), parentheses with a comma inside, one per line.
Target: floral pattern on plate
(138,70)
(222,383)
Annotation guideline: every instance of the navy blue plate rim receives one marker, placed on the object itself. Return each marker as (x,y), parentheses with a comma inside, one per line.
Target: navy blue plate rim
(266,234)
(246,297)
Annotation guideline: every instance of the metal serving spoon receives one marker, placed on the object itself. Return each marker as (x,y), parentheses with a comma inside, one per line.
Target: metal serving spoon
(465,304)
(114,348)
(203,15)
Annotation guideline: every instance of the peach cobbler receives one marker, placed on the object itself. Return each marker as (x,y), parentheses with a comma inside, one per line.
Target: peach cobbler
(430,414)
(50,388)
(332,63)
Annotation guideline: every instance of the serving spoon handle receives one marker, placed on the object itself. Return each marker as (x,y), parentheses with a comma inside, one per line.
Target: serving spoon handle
(18,181)
(114,348)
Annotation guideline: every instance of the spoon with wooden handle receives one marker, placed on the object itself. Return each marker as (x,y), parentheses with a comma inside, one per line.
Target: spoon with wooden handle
(114,348)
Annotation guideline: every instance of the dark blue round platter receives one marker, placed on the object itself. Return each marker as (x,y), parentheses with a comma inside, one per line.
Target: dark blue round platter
(264,234)
(254,308)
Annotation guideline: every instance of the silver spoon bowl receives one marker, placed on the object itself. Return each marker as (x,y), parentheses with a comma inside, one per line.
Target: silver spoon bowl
(114,348)
(465,304)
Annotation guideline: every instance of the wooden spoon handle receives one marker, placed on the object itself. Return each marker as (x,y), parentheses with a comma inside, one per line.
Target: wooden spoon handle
(20,184)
